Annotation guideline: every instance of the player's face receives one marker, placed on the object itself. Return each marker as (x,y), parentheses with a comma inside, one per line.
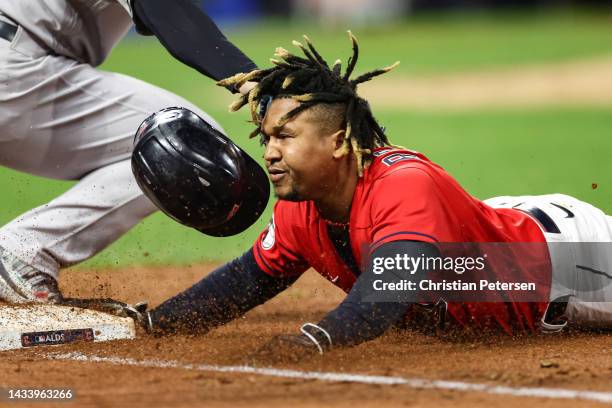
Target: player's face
(298,156)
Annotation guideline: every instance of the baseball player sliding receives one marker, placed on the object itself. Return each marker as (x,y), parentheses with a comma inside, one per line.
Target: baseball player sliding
(345,195)
(63,118)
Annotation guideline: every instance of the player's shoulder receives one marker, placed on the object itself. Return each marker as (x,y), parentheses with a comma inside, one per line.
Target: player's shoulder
(391,162)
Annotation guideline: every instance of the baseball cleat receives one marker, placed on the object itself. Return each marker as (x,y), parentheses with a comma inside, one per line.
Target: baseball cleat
(22,283)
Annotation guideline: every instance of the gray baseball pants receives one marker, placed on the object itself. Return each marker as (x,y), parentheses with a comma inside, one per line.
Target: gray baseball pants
(66,120)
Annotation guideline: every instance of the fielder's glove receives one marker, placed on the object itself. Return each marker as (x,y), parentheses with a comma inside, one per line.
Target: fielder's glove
(294,348)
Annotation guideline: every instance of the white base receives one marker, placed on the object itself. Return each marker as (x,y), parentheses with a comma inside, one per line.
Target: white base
(84,324)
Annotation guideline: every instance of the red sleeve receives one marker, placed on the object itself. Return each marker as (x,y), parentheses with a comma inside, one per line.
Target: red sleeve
(276,249)
(408,206)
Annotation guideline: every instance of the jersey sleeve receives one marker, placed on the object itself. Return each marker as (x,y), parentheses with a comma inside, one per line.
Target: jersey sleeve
(277,247)
(408,205)
(191,36)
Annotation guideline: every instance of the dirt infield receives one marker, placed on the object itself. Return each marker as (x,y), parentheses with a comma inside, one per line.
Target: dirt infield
(575,83)
(132,375)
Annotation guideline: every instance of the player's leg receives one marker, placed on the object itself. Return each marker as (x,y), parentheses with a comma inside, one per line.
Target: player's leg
(73,227)
(581,254)
(596,311)
(67,120)
(590,315)
(582,259)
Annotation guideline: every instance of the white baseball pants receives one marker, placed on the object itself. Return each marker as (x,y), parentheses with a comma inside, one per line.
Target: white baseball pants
(581,255)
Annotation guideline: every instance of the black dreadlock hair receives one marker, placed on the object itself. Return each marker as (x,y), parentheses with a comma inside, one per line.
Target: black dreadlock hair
(311,81)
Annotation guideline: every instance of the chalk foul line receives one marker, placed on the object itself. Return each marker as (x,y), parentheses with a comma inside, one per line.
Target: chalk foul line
(553,393)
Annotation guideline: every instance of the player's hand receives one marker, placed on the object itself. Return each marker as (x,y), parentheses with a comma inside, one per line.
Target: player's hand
(293,348)
(137,312)
(285,348)
(247,87)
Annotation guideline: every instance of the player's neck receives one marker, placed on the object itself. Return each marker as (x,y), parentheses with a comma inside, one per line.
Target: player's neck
(335,206)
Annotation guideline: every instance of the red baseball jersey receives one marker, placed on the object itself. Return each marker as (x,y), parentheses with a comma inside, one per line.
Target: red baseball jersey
(401,196)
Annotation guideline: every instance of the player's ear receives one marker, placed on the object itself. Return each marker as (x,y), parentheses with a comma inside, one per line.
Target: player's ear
(339,144)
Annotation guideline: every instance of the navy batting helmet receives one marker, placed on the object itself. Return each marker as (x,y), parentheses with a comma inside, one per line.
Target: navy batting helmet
(197,175)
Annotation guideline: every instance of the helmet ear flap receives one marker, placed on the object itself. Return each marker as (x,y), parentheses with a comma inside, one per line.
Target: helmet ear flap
(197,175)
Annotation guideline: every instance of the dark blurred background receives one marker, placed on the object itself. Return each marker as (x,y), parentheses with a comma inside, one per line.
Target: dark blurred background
(370,10)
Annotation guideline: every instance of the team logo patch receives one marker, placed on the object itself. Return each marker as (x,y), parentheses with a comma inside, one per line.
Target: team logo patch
(50,338)
(268,240)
